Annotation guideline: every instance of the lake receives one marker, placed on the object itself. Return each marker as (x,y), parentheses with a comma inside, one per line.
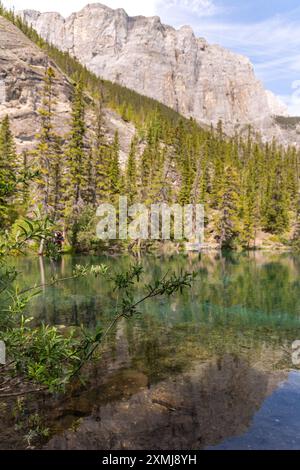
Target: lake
(209,369)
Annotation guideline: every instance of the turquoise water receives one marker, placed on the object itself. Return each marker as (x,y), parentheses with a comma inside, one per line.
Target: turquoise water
(249,289)
(208,368)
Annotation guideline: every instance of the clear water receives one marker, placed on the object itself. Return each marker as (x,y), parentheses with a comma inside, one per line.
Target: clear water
(208,369)
(276,426)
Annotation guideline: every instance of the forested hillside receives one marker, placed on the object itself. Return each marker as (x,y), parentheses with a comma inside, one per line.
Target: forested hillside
(250,189)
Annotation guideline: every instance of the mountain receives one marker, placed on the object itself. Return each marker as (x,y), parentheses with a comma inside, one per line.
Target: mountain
(250,188)
(22,70)
(199,80)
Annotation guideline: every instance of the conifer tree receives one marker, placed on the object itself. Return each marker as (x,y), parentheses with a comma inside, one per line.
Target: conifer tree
(275,211)
(292,177)
(75,176)
(250,195)
(249,220)
(49,152)
(131,171)
(89,192)
(44,152)
(76,146)
(114,173)
(25,188)
(296,234)
(227,227)
(204,180)
(8,178)
(57,179)
(248,185)
(101,154)
(145,170)
(158,190)
(148,159)
(186,181)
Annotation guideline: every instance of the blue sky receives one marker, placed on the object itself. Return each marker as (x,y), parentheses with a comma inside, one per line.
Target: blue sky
(267,31)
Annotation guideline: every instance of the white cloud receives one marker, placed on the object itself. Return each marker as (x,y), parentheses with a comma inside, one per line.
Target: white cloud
(66,7)
(200,7)
(132,7)
(263,37)
(293,100)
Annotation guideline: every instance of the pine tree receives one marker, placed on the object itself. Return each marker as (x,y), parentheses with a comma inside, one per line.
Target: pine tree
(131,171)
(76,147)
(186,181)
(114,173)
(158,190)
(248,185)
(75,176)
(8,178)
(89,192)
(275,210)
(296,234)
(44,151)
(145,170)
(227,227)
(49,152)
(292,177)
(249,219)
(219,162)
(101,154)
(25,187)
(57,179)
(151,159)
(250,172)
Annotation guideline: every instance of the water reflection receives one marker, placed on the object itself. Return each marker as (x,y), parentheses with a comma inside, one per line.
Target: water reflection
(276,426)
(190,411)
(260,288)
(186,374)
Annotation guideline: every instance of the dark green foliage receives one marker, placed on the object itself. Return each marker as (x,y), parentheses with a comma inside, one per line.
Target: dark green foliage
(276,201)
(48,152)
(100,158)
(227,227)
(76,155)
(131,171)
(290,122)
(8,177)
(41,355)
(114,173)
(246,186)
(129,104)
(296,234)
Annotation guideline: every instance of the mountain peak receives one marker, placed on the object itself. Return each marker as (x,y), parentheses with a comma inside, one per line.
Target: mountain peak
(96,7)
(199,80)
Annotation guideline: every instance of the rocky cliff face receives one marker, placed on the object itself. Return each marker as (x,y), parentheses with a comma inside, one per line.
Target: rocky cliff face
(22,71)
(182,71)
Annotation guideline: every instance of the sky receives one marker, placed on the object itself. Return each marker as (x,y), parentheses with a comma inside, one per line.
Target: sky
(268,31)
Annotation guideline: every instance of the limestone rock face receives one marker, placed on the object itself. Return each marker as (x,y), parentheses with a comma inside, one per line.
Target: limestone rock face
(22,71)
(175,67)
(277,107)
